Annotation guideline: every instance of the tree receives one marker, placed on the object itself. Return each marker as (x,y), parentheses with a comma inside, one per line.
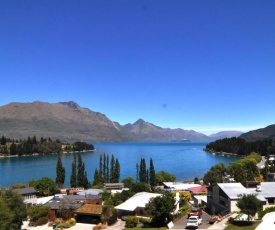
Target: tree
(3,140)
(249,204)
(128,182)
(215,174)
(112,169)
(60,173)
(152,176)
(116,175)
(73,179)
(82,180)
(160,209)
(36,212)
(17,208)
(163,176)
(45,186)
(6,215)
(142,171)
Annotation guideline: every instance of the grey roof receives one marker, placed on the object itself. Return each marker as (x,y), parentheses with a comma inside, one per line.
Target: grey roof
(90,192)
(267,190)
(25,191)
(232,190)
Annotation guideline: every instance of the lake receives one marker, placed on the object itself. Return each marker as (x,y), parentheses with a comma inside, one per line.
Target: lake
(185,160)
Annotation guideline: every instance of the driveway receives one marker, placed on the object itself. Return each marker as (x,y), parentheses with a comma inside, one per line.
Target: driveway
(181,223)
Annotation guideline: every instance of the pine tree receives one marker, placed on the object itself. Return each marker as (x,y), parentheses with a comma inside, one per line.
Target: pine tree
(60,173)
(73,180)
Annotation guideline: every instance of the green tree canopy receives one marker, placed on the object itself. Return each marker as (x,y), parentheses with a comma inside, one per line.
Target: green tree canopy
(37,211)
(16,208)
(163,176)
(160,209)
(45,186)
(128,182)
(249,204)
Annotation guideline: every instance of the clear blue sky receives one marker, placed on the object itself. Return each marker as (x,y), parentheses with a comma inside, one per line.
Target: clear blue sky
(206,65)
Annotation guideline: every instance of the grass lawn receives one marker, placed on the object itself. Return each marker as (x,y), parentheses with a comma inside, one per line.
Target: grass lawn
(242,225)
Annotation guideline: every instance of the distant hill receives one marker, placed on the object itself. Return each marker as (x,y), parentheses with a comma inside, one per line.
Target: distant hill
(225,134)
(260,134)
(66,121)
(148,132)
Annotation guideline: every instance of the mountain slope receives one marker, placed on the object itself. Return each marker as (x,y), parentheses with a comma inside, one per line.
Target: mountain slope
(149,132)
(259,134)
(225,134)
(66,121)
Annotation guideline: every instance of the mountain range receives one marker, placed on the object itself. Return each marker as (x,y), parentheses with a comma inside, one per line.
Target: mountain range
(67,121)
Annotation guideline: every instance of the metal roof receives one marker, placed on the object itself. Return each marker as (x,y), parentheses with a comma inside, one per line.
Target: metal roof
(138,200)
(233,190)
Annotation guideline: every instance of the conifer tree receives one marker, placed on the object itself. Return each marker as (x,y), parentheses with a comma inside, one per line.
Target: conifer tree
(112,168)
(60,173)
(142,171)
(73,180)
(116,172)
(153,181)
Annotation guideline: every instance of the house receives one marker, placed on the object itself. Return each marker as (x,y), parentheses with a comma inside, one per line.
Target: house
(71,203)
(88,214)
(199,195)
(223,197)
(178,186)
(136,204)
(28,194)
(111,186)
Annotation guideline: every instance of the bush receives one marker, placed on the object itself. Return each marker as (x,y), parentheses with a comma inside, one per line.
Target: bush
(71,221)
(267,210)
(131,221)
(63,225)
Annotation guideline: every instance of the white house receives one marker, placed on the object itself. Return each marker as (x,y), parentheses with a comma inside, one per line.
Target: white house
(136,204)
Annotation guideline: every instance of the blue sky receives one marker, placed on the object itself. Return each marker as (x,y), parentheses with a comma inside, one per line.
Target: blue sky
(206,65)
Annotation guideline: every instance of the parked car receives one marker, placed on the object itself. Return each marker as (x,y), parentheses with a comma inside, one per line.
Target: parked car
(195,212)
(193,222)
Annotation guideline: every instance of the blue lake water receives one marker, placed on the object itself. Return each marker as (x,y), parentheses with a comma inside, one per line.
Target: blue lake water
(185,160)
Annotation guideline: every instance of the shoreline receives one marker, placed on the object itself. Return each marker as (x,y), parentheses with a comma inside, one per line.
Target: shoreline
(42,154)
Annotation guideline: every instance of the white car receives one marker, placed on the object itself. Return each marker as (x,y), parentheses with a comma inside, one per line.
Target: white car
(193,222)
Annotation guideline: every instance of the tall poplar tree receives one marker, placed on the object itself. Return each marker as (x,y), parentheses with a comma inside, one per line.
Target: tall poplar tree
(82,180)
(73,180)
(116,172)
(60,173)
(112,169)
(153,181)
(142,171)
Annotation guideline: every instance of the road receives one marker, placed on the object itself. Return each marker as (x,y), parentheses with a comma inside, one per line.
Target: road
(181,223)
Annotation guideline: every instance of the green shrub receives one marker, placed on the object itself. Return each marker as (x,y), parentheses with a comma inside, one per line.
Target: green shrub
(63,225)
(131,221)
(267,210)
